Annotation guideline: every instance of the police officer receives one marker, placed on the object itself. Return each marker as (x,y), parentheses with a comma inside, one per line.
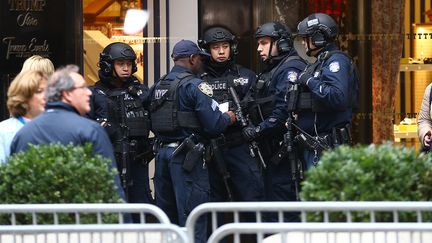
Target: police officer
(330,87)
(183,115)
(222,73)
(268,109)
(117,104)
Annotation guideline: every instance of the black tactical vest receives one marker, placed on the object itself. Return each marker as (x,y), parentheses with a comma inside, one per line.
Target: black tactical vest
(125,110)
(221,85)
(263,104)
(164,110)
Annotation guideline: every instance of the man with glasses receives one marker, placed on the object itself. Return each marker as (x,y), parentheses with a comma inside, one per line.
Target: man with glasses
(68,98)
(117,104)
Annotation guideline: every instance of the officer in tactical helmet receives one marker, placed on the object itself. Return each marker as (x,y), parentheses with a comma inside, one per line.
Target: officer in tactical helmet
(268,108)
(117,104)
(329,89)
(183,115)
(222,73)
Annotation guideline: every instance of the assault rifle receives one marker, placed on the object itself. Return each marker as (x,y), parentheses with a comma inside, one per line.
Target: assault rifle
(295,163)
(221,167)
(124,146)
(314,143)
(288,148)
(253,146)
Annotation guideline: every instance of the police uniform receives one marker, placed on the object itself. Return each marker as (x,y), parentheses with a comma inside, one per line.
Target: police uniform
(329,89)
(269,103)
(268,110)
(245,174)
(333,91)
(121,112)
(182,109)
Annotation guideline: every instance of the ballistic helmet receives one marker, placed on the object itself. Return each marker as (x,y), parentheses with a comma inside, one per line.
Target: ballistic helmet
(116,51)
(320,27)
(278,32)
(218,34)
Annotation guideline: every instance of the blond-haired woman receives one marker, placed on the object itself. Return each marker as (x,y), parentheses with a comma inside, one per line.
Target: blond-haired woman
(26,99)
(38,63)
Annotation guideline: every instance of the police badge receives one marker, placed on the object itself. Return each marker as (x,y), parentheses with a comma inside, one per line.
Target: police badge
(206,89)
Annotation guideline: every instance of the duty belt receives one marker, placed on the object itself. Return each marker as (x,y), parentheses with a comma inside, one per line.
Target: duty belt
(230,140)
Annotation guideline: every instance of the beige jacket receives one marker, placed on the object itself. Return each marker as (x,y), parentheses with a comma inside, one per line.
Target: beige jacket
(424,120)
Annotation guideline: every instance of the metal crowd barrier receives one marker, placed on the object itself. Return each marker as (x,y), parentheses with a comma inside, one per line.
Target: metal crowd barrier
(77,213)
(305,209)
(329,232)
(86,223)
(92,233)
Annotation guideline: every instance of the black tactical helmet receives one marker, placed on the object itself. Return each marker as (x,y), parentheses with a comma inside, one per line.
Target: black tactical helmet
(278,32)
(116,51)
(218,34)
(320,27)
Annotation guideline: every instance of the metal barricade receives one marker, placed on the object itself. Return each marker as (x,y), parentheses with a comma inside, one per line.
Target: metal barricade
(34,223)
(103,233)
(325,209)
(53,214)
(329,232)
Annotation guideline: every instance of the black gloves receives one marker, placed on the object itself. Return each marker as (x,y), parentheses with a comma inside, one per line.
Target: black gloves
(251,132)
(305,76)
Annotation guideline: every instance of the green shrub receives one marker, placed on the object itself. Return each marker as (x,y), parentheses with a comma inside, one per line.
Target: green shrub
(370,173)
(56,174)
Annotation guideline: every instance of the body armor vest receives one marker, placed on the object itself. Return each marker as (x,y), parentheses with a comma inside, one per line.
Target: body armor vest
(221,85)
(262,106)
(166,117)
(125,110)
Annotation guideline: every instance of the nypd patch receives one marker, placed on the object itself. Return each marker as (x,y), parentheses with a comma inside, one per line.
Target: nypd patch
(334,67)
(206,89)
(292,76)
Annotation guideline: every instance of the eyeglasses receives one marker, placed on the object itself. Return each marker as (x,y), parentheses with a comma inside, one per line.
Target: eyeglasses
(84,86)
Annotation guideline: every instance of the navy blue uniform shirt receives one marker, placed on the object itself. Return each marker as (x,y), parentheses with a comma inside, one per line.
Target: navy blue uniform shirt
(213,121)
(335,88)
(285,72)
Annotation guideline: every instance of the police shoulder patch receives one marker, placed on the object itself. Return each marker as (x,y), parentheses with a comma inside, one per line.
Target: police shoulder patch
(206,89)
(334,67)
(292,76)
